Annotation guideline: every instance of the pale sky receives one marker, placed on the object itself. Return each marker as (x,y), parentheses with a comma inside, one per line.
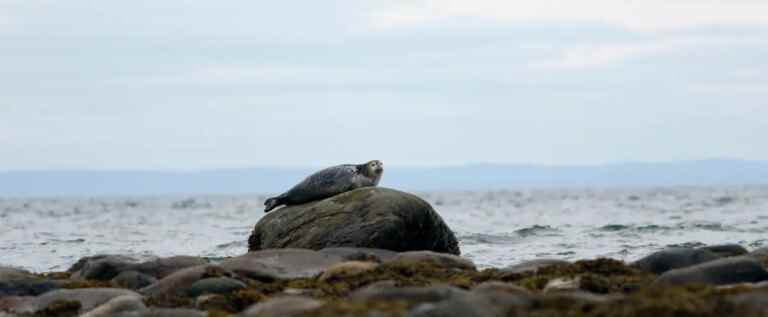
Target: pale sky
(187,84)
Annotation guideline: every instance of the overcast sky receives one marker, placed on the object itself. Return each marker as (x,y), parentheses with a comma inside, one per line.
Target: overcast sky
(186,84)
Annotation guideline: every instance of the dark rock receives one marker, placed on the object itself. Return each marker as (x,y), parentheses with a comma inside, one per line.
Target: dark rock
(17,282)
(177,283)
(89,298)
(582,297)
(215,285)
(288,306)
(82,261)
(726,250)
(674,258)
(371,217)
(496,286)
(439,259)
(760,253)
(13,303)
(172,312)
(132,280)
(533,265)
(281,264)
(361,254)
(755,301)
(473,305)
(26,287)
(163,267)
(9,273)
(106,267)
(101,267)
(429,294)
(210,302)
(720,272)
(125,305)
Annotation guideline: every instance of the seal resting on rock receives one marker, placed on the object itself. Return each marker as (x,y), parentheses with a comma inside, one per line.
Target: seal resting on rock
(329,182)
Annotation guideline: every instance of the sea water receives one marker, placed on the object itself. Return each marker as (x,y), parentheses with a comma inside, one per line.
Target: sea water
(495,228)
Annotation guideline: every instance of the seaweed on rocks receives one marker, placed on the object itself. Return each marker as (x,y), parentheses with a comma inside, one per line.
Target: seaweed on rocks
(60,308)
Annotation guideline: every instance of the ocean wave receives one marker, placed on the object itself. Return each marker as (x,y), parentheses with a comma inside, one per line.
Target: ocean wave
(706,226)
(484,238)
(536,230)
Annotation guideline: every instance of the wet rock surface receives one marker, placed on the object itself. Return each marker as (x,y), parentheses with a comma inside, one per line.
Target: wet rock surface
(132,280)
(473,305)
(371,217)
(674,258)
(178,283)
(281,263)
(126,305)
(288,306)
(9,273)
(362,254)
(534,265)
(293,282)
(726,250)
(215,285)
(101,267)
(17,282)
(438,259)
(26,287)
(411,294)
(107,267)
(720,272)
(346,269)
(85,299)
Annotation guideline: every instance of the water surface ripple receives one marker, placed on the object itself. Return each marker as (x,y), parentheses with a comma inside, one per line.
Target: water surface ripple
(496,228)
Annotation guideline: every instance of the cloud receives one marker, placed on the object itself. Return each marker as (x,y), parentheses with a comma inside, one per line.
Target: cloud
(601,54)
(645,15)
(191,83)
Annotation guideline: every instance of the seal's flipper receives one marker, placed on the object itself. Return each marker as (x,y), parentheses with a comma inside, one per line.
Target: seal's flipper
(272,203)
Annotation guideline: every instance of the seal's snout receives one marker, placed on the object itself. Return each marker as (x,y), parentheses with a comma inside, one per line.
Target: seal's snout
(271,203)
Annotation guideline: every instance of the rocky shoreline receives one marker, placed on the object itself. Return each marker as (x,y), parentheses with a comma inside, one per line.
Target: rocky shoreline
(373,282)
(380,252)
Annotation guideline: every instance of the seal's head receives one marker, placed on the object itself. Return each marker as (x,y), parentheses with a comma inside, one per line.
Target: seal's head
(374,169)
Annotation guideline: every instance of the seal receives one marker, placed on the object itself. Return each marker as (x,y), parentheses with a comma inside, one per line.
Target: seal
(329,182)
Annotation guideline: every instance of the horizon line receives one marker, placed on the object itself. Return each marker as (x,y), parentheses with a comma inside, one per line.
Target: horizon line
(406,166)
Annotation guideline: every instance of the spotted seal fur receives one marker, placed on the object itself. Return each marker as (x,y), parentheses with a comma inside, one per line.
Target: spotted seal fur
(329,182)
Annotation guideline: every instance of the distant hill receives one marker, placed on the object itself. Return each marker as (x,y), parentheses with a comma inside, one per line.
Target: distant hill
(469,177)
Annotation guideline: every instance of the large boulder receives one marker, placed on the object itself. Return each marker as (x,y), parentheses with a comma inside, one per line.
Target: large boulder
(674,258)
(371,217)
(724,271)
